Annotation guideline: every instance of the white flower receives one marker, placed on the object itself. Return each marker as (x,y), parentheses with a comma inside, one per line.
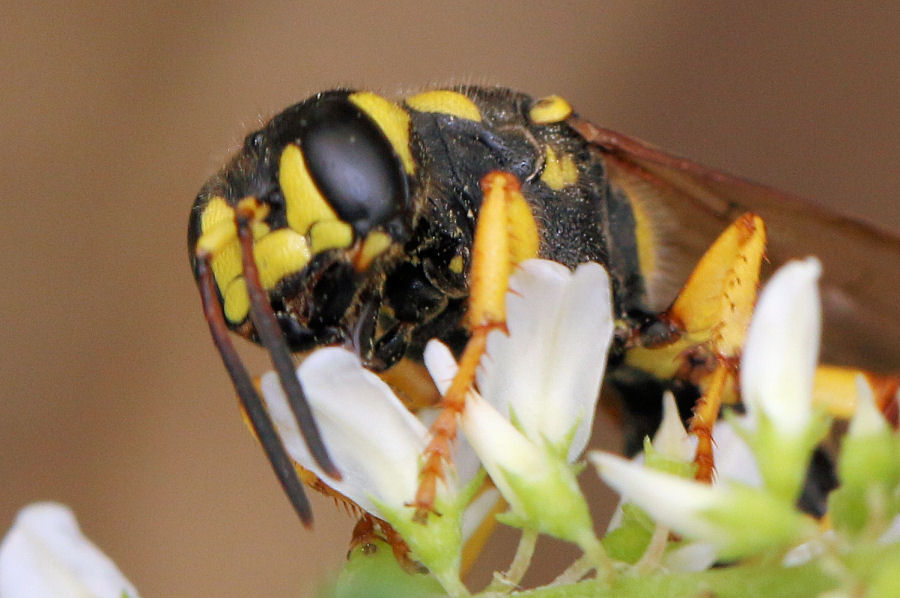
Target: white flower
(373,438)
(761,459)
(671,440)
(545,375)
(782,348)
(45,555)
(868,419)
(673,501)
(734,459)
(539,386)
(865,503)
(735,519)
(777,370)
(377,445)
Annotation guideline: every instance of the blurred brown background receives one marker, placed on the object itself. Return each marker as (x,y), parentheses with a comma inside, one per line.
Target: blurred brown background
(113,398)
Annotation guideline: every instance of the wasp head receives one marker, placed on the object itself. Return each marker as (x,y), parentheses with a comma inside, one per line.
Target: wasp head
(330,179)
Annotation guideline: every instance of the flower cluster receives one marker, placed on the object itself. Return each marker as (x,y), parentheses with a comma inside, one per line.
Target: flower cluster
(525,427)
(539,386)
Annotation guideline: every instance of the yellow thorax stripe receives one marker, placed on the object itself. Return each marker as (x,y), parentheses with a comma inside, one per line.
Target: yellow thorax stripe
(559,171)
(549,110)
(443,101)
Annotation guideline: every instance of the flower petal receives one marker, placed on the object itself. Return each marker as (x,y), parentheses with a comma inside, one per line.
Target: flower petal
(373,439)
(671,439)
(673,501)
(693,556)
(539,485)
(502,448)
(735,461)
(782,347)
(46,555)
(546,372)
(441,364)
(868,419)
(737,519)
(442,367)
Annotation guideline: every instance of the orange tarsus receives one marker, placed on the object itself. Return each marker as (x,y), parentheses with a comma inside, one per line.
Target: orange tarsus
(706,412)
(368,530)
(444,428)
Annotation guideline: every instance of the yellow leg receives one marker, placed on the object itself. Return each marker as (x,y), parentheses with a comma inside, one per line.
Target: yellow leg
(505,235)
(706,411)
(713,312)
(835,390)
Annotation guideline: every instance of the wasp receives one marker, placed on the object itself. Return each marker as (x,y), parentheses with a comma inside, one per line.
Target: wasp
(350,219)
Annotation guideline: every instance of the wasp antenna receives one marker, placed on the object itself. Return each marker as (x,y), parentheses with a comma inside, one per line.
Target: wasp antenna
(271,337)
(252,404)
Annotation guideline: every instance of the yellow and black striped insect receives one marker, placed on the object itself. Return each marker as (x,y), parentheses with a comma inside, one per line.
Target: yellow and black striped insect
(349,219)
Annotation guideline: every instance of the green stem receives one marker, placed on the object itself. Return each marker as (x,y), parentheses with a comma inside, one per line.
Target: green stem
(452,585)
(655,549)
(596,555)
(508,581)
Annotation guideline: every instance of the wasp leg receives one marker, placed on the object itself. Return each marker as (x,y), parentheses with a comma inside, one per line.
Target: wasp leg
(713,313)
(733,262)
(250,400)
(709,320)
(505,235)
(706,412)
(271,337)
(369,531)
(835,390)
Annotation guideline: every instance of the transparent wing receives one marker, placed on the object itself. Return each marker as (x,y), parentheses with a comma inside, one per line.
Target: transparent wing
(688,205)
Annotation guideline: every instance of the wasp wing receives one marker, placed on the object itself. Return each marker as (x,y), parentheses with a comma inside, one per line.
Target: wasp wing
(686,206)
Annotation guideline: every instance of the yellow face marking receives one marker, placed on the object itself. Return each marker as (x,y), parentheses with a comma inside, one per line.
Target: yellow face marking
(376,242)
(215,212)
(279,254)
(559,172)
(330,234)
(259,229)
(226,264)
(236,300)
(304,204)
(218,238)
(456,264)
(442,101)
(551,109)
(392,120)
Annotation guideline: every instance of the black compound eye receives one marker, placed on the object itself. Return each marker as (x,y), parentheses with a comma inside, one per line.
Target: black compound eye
(352,162)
